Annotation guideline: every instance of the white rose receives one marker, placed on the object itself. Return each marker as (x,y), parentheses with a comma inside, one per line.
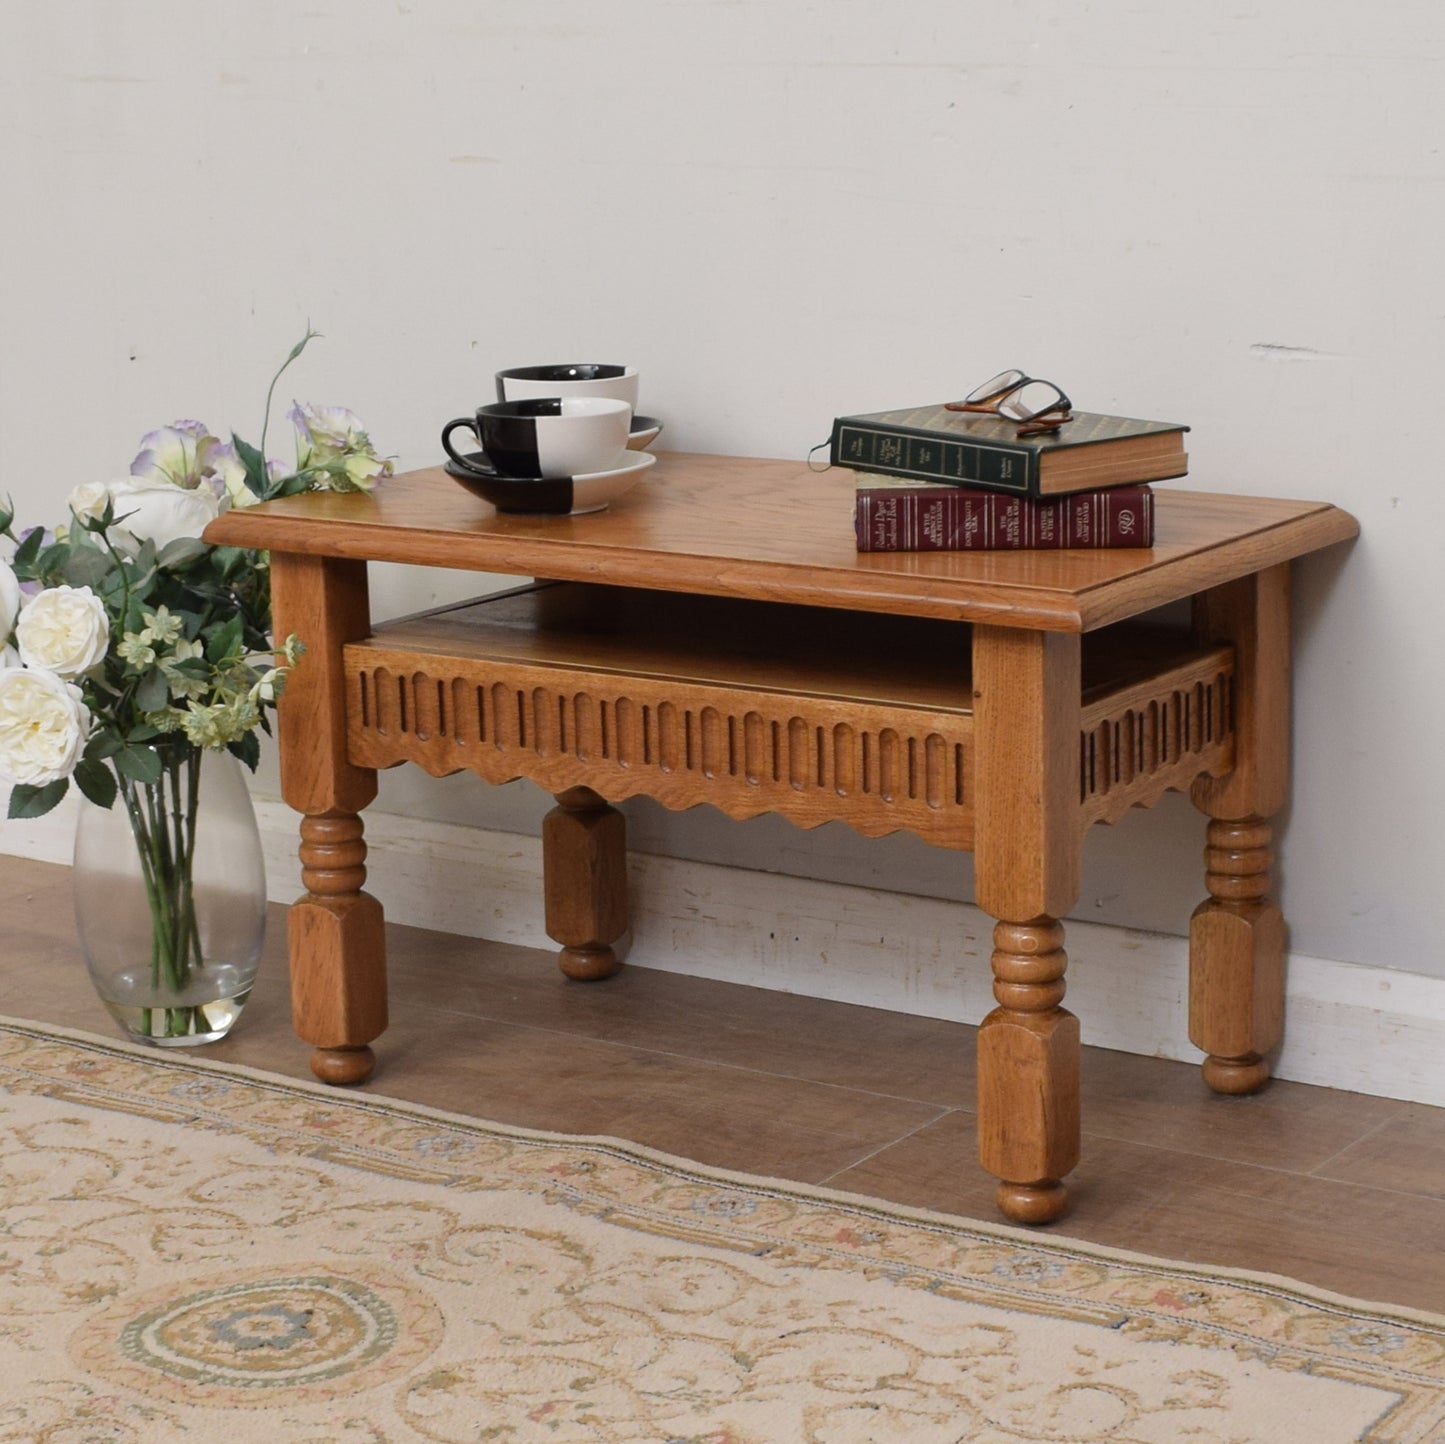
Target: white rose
(161,512)
(9,657)
(65,630)
(43,726)
(9,602)
(88,500)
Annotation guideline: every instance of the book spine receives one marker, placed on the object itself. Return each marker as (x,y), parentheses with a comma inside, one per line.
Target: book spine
(937,519)
(896,451)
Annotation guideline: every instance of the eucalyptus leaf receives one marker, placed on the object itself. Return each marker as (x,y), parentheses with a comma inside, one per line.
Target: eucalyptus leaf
(86,567)
(154,691)
(183,550)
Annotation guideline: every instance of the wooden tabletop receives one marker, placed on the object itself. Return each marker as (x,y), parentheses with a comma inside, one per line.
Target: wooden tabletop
(746,527)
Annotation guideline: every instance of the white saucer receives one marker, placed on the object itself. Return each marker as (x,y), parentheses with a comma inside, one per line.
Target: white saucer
(560,496)
(594,489)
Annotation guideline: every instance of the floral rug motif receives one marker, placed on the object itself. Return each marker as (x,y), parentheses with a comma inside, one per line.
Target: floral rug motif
(190,1250)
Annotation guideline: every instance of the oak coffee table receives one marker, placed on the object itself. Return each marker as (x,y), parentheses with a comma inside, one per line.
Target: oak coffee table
(715,636)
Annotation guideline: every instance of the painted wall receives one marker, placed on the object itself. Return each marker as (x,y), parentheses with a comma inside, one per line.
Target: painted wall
(1225,214)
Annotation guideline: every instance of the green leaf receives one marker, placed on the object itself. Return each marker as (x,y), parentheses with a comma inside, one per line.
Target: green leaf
(103,743)
(86,567)
(248,748)
(24,559)
(181,552)
(224,641)
(154,691)
(140,764)
(52,558)
(254,462)
(27,801)
(294,485)
(228,560)
(143,733)
(96,781)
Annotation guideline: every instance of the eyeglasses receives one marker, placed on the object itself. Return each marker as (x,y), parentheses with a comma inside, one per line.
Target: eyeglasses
(1037,407)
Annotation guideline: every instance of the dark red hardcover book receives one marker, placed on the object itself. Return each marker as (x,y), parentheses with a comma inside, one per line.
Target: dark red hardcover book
(958,518)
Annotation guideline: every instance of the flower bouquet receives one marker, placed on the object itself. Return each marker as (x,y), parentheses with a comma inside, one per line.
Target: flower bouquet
(130,650)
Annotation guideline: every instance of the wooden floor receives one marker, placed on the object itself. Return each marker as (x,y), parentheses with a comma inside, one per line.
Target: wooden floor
(1339,1189)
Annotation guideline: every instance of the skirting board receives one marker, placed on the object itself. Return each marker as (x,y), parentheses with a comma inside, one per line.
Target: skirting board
(1359,1028)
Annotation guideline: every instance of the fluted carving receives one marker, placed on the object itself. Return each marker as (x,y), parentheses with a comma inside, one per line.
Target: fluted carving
(882,769)
(1162,735)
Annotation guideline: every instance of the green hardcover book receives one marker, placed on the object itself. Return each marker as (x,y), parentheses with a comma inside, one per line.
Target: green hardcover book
(930,443)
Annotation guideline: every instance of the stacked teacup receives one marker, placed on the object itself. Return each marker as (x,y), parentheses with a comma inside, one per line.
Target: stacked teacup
(555,440)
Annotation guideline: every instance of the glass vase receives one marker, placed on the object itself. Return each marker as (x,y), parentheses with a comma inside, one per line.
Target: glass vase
(170,898)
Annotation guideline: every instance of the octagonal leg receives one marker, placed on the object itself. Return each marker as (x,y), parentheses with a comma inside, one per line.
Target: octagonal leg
(1237,935)
(335,930)
(1026,711)
(584,869)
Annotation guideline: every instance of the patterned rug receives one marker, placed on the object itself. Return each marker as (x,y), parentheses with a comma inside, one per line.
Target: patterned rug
(196,1251)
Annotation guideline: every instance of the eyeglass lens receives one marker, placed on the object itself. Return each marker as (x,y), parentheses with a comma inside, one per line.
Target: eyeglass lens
(1033,398)
(1004,381)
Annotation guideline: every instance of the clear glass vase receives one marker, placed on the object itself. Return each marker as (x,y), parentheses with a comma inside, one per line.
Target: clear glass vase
(170,899)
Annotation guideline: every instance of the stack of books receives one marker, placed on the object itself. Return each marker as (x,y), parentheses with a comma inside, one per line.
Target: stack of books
(939,480)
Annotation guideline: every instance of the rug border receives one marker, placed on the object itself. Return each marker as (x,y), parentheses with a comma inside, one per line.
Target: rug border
(1294,1289)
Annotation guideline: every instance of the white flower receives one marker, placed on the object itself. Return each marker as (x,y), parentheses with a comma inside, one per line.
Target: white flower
(180,454)
(88,500)
(9,657)
(43,726)
(332,439)
(9,601)
(160,512)
(65,630)
(328,430)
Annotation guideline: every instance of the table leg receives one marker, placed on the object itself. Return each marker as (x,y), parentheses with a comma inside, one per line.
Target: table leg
(1237,935)
(584,871)
(1027,843)
(335,930)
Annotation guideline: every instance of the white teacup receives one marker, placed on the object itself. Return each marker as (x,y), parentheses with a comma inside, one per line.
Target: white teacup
(576,378)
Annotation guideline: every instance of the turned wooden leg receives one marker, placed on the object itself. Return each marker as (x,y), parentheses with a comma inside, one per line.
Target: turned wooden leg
(584,870)
(1237,935)
(1236,953)
(338,955)
(1026,712)
(1028,1057)
(338,947)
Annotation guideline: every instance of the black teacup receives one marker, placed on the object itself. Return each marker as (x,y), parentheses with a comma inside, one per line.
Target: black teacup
(548,436)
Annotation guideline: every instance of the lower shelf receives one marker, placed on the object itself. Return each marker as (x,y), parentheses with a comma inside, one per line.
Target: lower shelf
(756,707)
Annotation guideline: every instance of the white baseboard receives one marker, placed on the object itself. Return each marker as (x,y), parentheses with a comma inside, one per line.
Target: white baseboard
(1360,1028)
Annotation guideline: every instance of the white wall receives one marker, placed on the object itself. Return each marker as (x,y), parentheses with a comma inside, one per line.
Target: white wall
(1225,214)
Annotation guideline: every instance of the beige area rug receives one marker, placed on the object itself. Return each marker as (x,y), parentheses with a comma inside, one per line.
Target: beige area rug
(195,1251)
